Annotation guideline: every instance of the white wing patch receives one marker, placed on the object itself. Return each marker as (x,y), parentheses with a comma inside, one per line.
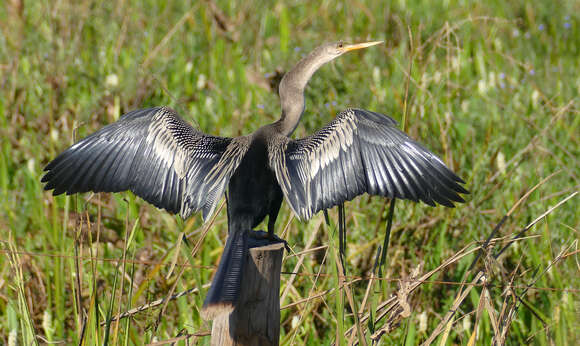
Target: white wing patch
(164,143)
(319,152)
(217,179)
(360,152)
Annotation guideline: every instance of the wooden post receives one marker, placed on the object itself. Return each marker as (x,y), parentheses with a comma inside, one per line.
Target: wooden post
(256,318)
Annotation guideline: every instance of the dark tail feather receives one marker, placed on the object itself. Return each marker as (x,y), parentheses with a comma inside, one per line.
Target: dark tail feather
(225,286)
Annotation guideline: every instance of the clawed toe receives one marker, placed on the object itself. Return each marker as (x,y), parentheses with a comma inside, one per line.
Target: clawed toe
(261,238)
(275,239)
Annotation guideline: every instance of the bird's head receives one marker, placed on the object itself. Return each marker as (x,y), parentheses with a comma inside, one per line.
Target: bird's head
(292,85)
(332,50)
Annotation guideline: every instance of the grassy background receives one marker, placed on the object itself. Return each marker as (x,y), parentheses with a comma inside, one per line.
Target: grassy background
(493,90)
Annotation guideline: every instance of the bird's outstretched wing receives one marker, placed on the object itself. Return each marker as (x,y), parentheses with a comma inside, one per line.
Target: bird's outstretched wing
(155,154)
(360,152)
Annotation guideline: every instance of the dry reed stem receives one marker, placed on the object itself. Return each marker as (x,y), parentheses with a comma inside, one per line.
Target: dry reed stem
(393,302)
(481,274)
(193,252)
(172,341)
(348,291)
(155,303)
(309,294)
(300,261)
(387,306)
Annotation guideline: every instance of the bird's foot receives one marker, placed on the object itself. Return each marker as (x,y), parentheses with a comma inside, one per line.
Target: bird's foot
(261,238)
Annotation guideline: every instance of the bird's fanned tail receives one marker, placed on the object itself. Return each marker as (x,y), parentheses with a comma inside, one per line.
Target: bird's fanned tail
(225,286)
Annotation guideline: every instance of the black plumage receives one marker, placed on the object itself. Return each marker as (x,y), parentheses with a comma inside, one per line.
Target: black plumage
(361,152)
(168,163)
(151,152)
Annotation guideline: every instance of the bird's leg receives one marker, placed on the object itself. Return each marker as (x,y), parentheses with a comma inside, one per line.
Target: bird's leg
(272,216)
(261,238)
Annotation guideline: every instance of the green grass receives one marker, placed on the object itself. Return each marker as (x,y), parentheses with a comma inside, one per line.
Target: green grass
(493,90)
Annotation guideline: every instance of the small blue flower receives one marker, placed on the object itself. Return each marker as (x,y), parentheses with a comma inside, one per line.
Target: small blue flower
(502,75)
(327,105)
(567,18)
(268,74)
(334,103)
(261,106)
(527,35)
(297,49)
(502,85)
(541,27)
(532,72)
(567,25)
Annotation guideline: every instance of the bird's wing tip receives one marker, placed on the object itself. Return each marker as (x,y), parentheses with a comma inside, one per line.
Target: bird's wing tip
(211,311)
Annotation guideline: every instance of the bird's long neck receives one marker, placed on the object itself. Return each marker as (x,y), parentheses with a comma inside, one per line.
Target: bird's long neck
(291,91)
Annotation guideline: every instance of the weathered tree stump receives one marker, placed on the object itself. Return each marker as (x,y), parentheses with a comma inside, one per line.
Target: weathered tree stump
(256,318)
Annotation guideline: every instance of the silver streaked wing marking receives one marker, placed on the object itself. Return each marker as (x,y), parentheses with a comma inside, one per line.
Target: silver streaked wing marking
(219,176)
(360,152)
(153,153)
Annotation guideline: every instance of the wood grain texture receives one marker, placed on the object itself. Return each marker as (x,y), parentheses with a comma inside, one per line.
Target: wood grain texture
(256,318)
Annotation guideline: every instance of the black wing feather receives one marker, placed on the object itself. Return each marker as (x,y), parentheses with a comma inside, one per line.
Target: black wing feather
(360,152)
(153,153)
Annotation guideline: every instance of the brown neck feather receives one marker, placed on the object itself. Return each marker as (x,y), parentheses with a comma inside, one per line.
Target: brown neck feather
(291,89)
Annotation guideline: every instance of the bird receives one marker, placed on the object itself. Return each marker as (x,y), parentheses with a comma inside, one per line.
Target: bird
(164,160)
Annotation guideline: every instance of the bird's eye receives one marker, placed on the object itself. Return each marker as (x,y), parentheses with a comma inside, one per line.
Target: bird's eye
(340,44)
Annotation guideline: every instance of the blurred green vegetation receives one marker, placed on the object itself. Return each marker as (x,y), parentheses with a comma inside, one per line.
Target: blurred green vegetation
(493,90)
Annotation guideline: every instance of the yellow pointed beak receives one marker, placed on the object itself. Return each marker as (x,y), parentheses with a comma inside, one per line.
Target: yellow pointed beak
(349,47)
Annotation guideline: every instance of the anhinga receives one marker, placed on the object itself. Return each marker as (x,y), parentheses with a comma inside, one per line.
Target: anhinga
(168,163)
